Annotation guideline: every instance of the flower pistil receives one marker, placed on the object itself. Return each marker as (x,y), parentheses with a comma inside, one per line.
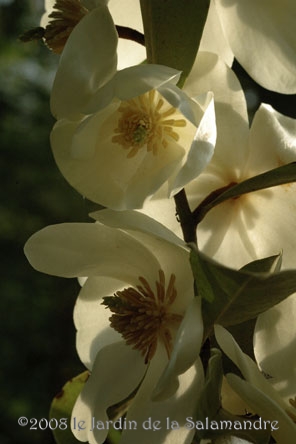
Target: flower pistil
(142,316)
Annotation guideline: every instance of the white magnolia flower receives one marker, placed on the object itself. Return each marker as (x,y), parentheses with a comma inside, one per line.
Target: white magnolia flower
(139,326)
(262,396)
(261,35)
(61,16)
(274,347)
(121,135)
(257,224)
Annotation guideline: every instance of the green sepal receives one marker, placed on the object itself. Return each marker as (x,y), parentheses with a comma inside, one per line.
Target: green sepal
(231,297)
(210,412)
(62,406)
(173,31)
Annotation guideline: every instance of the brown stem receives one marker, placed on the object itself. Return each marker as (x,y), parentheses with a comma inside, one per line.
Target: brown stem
(130,34)
(199,213)
(188,225)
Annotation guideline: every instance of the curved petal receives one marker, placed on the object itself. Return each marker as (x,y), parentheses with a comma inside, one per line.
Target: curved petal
(246,365)
(73,85)
(200,153)
(209,73)
(272,140)
(186,349)
(162,209)
(282,428)
(91,318)
(86,249)
(262,38)
(274,344)
(135,221)
(151,417)
(107,385)
(132,82)
(213,39)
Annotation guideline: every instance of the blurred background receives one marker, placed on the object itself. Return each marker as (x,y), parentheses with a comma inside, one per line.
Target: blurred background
(37,334)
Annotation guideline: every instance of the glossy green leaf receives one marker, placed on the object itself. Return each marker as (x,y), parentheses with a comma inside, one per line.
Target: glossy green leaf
(173,30)
(62,406)
(231,297)
(278,176)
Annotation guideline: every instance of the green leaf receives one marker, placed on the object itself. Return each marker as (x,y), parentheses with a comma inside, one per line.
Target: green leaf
(271,264)
(173,30)
(231,297)
(62,406)
(278,176)
(211,419)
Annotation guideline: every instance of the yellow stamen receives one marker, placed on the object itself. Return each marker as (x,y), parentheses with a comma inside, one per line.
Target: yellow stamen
(143,123)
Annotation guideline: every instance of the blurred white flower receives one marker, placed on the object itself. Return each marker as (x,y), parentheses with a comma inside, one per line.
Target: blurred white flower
(150,344)
(261,393)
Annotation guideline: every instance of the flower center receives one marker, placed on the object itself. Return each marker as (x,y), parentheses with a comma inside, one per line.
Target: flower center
(144,122)
(142,316)
(65,16)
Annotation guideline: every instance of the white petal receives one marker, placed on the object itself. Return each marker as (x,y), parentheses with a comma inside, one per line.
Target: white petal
(162,209)
(186,349)
(209,73)
(177,408)
(267,409)
(91,318)
(213,39)
(272,140)
(86,249)
(274,344)
(200,153)
(246,365)
(107,385)
(74,85)
(136,221)
(132,82)
(262,38)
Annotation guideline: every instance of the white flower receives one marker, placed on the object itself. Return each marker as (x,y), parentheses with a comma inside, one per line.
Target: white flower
(155,351)
(261,35)
(61,16)
(274,347)
(260,393)
(257,224)
(121,135)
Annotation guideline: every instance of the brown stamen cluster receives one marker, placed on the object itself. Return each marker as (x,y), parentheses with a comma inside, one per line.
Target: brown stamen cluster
(144,123)
(65,16)
(143,317)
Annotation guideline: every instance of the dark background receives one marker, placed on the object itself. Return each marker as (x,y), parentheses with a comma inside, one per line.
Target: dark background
(37,334)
